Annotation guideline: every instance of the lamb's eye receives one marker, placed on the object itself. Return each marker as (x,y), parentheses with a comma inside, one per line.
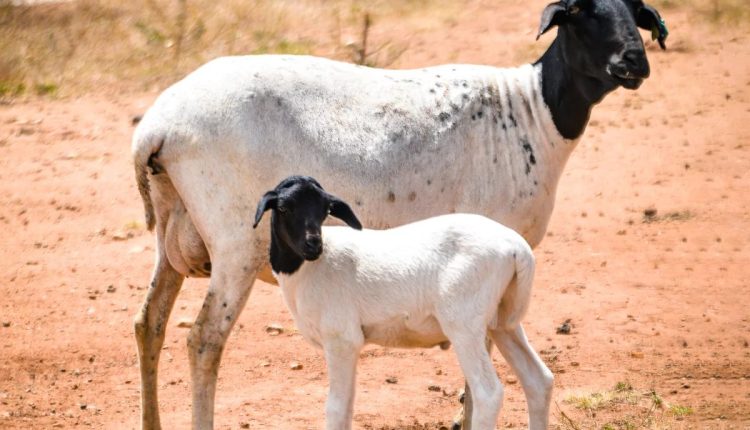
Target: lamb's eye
(573,10)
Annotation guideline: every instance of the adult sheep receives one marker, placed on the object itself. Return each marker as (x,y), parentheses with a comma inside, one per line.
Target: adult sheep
(402,145)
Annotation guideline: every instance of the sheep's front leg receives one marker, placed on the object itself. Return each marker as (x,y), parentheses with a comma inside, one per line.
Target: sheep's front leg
(341,359)
(150,327)
(535,377)
(226,297)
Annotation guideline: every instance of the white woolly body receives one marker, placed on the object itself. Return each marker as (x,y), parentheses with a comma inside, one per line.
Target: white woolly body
(399,145)
(457,278)
(394,285)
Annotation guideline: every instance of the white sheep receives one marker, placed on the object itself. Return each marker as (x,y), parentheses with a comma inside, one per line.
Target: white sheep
(454,278)
(401,145)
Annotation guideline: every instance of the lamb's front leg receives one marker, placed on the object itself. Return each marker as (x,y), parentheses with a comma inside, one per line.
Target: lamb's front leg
(341,353)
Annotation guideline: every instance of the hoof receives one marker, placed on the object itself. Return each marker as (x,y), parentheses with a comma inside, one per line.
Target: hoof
(456,426)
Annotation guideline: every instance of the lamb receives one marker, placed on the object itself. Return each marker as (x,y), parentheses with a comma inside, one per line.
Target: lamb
(400,145)
(454,278)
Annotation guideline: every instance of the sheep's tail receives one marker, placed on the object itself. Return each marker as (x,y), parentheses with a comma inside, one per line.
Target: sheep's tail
(517,296)
(145,145)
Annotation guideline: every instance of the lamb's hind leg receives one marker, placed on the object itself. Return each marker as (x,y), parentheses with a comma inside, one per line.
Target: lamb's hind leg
(150,326)
(231,282)
(535,377)
(462,420)
(485,387)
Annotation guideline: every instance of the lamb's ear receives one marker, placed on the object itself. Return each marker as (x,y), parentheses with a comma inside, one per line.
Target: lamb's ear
(342,211)
(649,19)
(551,16)
(268,201)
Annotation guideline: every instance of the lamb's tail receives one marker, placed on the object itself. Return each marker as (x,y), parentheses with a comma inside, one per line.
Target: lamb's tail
(145,146)
(517,296)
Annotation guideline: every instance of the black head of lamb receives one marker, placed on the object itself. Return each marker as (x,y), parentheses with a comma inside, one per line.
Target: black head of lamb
(299,206)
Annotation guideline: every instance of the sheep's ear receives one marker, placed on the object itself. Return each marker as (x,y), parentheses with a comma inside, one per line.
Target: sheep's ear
(552,15)
(342,211)
(649,19)
(268,201)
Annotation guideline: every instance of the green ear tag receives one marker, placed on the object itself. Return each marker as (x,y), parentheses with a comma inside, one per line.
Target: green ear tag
(659,30)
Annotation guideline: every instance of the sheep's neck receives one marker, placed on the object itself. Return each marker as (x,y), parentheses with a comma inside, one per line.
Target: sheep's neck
(569,94)
(283,259)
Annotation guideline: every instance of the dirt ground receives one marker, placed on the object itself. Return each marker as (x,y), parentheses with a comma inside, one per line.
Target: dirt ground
(660,303)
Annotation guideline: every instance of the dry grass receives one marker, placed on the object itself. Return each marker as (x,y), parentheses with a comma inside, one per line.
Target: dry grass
(79,46)
(621,408)
(718,12)
(85,45)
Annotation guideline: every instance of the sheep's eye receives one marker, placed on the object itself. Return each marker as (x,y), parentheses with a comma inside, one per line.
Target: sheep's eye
(573,10)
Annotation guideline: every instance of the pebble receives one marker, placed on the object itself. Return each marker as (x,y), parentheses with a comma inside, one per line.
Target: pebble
(564,328)
(274,329)
(185,323)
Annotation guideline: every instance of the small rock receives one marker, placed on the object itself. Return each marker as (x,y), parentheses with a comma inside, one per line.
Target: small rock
(564,328)
(6,323)
(274,329)
(434,388)
(449,393)
(184,323)
(134,121)
(636,354)
(244,425)
(84,406)
(122,235)
(391,380)
(510,380)
(264,363)
(111,288)
(294,365)
(574,363)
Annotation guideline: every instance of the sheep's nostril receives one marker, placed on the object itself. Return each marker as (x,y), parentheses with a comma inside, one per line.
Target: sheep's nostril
(636,62)
(313,243)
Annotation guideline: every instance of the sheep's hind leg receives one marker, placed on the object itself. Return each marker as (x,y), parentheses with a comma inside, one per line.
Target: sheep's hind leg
(150,327)
(227,294)
(535,377)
